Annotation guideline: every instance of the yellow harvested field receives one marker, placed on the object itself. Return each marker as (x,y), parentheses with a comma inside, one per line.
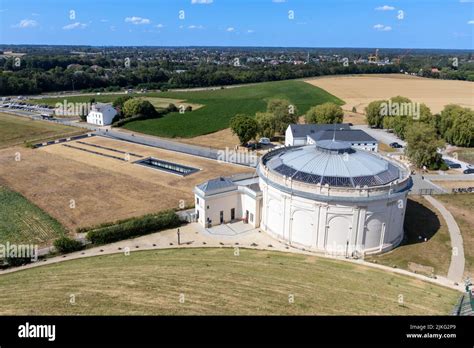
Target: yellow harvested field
(103,189)
(218,140)
(359,90)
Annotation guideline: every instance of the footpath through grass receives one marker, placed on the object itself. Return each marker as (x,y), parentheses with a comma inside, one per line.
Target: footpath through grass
(22,222)
(215,281)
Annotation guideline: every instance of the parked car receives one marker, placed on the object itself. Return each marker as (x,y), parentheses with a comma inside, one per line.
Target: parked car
(265,141)
(452,165)
(253,146)
(468,171)
(396,145)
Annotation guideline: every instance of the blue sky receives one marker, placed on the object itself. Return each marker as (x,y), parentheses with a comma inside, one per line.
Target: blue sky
(315,23)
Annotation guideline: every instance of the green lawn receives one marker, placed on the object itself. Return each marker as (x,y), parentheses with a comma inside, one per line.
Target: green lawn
(15,130)
(219,106)
(214,281)
(22,222)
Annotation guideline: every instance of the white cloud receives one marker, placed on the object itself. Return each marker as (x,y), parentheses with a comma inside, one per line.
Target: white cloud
(381,27)
(201,2)
(278,1)
(230,29)
(76,25)
(104,20)
(192,26)
(26,23)
(385,8)
(137,20)
(250,31)
(471,22)
(159,26)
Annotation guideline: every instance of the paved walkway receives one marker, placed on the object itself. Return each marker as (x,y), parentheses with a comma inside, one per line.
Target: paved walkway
(456,268)
(194,235)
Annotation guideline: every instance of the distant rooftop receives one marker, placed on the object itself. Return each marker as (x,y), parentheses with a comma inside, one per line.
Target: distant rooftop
(303,130)
(349,135)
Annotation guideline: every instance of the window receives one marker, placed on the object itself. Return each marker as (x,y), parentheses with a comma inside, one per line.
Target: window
(207,207)
(197,200)
(251,217)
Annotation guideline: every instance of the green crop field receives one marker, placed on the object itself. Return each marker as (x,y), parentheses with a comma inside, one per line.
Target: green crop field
(15,130)
(214,281)
(221,105)
(22,222)
(218,106)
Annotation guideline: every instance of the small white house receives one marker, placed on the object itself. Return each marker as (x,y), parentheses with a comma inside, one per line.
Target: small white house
(223,200)
(101,114)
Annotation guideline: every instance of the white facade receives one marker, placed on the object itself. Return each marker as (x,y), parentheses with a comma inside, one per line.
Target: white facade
(357,207)
(101,114)
(221,201)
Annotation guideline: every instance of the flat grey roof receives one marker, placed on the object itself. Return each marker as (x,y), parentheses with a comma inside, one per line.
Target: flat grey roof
(303,130)
(349,135)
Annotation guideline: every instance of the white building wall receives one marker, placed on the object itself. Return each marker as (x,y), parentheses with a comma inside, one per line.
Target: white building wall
(103,117)
(335,228)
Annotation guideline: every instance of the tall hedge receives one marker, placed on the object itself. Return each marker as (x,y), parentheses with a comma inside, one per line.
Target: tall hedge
(134,227)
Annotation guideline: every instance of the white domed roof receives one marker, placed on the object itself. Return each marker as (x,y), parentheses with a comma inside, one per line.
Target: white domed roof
(334,163)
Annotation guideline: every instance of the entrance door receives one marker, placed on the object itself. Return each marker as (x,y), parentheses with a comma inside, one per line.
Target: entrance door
(222,217)
(232,214)
(246,220)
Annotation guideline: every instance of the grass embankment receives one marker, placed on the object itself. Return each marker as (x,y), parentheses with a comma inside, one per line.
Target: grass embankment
(462,207)
(214,281)
(422,221)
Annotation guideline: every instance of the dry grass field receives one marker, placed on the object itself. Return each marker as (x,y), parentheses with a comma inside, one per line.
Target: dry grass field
(16,130)
(103,189)
(360,90)
(218,140)
(164,102)
(214,281)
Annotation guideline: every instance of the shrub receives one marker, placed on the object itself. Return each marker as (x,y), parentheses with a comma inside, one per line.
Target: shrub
(17,261)
(134,227)
(66,245)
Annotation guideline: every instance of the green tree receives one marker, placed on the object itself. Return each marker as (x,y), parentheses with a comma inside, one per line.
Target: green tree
(456,125)
(245,127)
(422,145)
(326,113)
(284,113)
(118,103)
(267,124)
(373,113)
(135,107)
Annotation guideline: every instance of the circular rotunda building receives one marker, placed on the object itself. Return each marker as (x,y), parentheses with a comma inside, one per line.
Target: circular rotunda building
(333,198)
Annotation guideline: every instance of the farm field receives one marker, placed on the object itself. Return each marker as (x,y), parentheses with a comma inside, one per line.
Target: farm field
(421,220)
(21,222)
(16,130)
(359,90)
(221,105)
(462,206)
(104,189)
(214,281)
